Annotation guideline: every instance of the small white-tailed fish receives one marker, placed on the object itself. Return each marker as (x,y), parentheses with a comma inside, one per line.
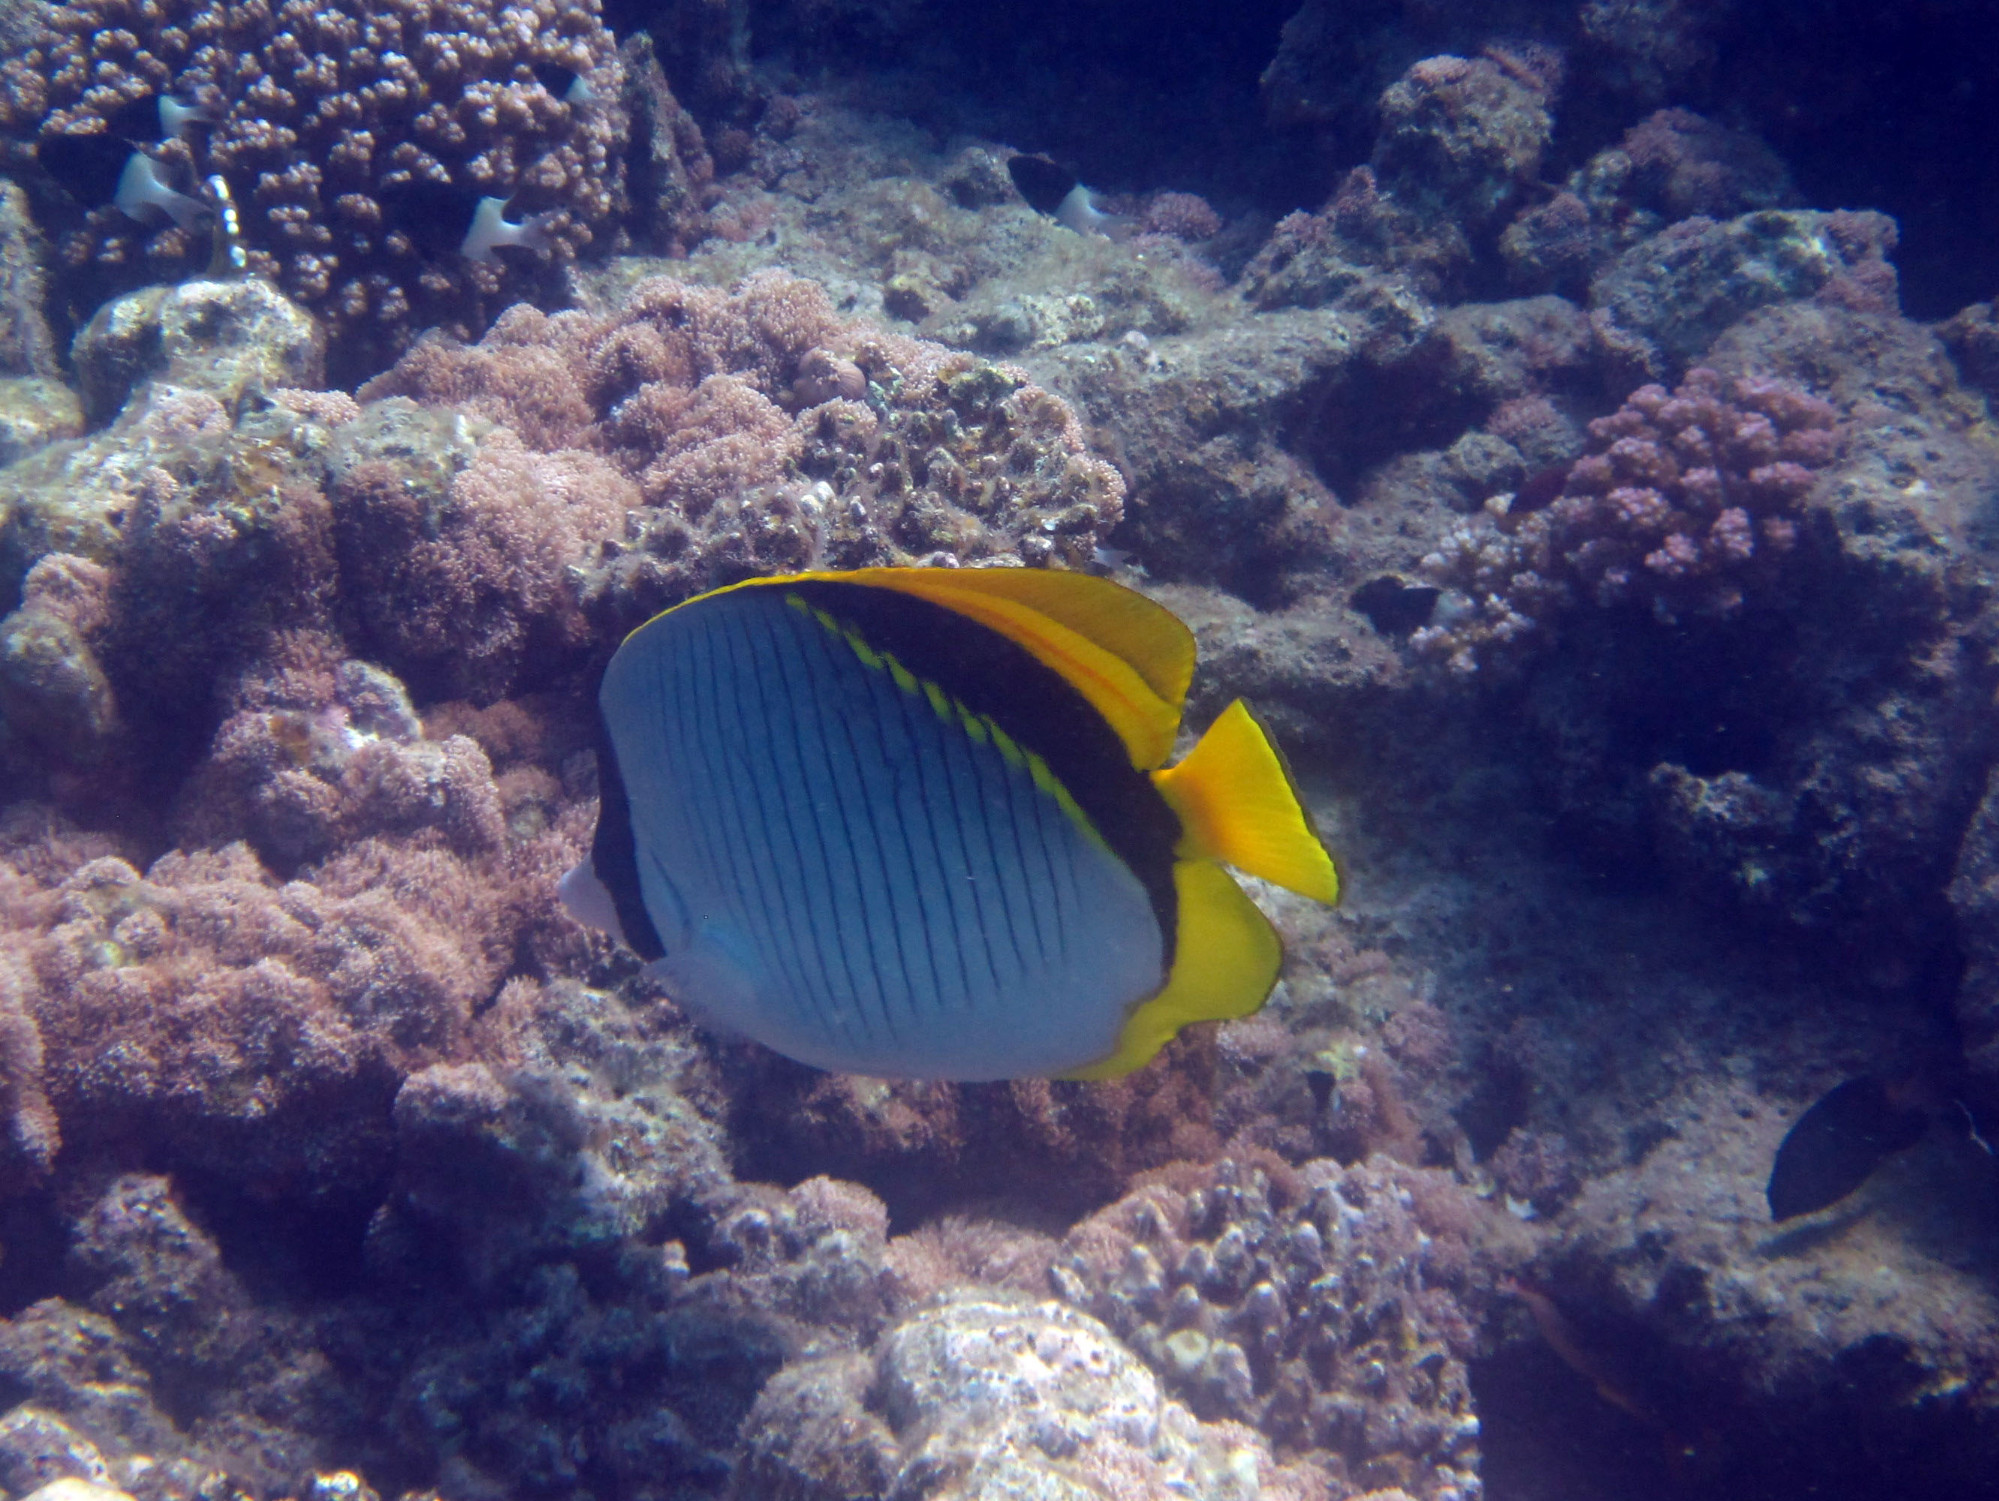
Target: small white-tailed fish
(442,220)
(918,823)
(564,83)
(96,169)
(159,117)
(1052,189)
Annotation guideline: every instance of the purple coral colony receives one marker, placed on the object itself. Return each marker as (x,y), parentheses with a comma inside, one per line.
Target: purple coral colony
(1570,424)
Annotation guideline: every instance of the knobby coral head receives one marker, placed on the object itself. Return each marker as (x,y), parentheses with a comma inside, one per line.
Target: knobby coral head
(357,139)
(1686,502)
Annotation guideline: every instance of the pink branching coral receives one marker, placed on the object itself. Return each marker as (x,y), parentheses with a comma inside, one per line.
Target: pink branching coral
(697,436)
(1685,500)
(326,111)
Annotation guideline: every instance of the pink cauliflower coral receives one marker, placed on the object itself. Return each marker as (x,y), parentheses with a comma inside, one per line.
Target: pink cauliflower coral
(1681,489)
(1685,500)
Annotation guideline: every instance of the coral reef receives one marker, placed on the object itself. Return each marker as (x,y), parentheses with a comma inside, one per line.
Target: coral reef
(228,338)
(1685,501)
(1666,299)
(107,541)
(256,1028)
(331,122)
(1972,337)
(1974,900)
(241,1026)
(177,367)
(922,1143)
(35,406)
(1321,1306)
(1672,165)
(1467,133)
(1460,143)
(1675,164)
(1660,1261)
(458,544)
(335,1160)
(984,1396)
(703,437)
(1648,47)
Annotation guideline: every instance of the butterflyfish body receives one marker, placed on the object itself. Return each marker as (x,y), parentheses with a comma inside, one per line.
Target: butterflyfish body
(918,823)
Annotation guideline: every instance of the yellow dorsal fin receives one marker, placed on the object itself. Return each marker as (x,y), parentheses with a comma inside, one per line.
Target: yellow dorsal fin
(1225,960)
(1237,803)
(1148,637)
(1132,659)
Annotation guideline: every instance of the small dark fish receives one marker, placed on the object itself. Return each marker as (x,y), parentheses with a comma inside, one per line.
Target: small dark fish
(86,167)
(1838,1143)
(1540,488)
(562,83)
(1041,182)
(157,117)
(443,220)
(98,169)
(1394,606)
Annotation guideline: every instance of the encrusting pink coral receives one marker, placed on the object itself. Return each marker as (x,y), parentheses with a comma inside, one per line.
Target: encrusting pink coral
(322,751)
(241,1022)
(692,438)
(1685,500)
(461,582)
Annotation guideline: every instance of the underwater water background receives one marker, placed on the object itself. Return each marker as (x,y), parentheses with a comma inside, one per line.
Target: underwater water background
(1567,424)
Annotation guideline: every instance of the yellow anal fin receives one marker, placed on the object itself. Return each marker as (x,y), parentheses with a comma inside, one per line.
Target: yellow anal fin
(1225,961)
(1237,803)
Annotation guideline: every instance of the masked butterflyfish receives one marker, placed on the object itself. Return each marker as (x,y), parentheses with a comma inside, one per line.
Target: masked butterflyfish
(918,823)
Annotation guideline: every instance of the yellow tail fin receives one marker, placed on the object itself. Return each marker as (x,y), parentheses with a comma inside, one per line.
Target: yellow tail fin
(1237,803)
(1225,960)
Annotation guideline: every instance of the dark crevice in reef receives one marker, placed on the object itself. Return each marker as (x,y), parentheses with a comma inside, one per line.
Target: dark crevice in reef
(34,1238)
(285,1248)
(1545,1434)
(1890,107)
(1551,1433)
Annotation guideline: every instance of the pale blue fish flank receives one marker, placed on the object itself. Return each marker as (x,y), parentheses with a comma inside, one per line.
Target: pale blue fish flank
(872,878)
